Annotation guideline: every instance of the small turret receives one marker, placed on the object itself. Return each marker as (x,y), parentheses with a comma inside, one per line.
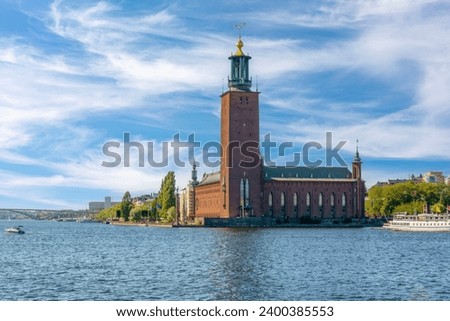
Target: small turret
(356,164)
(194,175)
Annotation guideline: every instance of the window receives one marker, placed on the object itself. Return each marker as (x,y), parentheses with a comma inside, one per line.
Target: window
(332,199)
(320,199)
(282,199)
(247,192)
(344,199)
(294,200)
(270,199)
(308,199)
(241,194)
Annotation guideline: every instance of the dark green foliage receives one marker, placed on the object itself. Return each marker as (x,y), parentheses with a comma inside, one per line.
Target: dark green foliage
(407,197)
(109,213)
(166,197)
(125,206)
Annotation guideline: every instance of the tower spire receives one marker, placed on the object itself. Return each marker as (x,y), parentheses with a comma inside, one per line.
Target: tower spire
(239,78)
(194,174)
(357,158)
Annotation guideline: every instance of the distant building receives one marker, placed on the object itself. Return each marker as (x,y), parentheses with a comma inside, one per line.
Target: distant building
(98,206)
(430,177)
(187,199)
(139,200)
(412,178)
(434,177)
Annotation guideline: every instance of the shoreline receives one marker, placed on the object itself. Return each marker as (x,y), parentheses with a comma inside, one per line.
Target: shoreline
(140,224)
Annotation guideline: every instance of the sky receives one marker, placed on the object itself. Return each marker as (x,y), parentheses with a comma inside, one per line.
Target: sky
(76,75)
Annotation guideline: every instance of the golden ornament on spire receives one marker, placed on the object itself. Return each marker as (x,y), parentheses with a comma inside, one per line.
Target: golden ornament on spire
(239,45)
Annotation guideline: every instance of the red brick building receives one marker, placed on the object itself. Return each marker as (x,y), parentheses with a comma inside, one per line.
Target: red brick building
(244,187)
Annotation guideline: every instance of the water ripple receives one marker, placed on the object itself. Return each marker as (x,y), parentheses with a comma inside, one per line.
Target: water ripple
(71,261)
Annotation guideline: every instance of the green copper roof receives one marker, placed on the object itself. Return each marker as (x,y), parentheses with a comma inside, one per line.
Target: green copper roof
(306,172)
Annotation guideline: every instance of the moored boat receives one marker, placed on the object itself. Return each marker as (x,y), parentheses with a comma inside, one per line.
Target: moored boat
(15,229)
(419,222)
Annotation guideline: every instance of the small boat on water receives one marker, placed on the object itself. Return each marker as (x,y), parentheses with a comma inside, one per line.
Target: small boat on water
(419,222)
(15,229)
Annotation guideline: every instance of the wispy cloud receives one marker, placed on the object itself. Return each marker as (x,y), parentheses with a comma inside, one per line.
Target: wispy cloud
(377,71)
(409,54)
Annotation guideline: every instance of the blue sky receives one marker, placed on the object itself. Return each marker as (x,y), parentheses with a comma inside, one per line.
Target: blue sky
(77,74)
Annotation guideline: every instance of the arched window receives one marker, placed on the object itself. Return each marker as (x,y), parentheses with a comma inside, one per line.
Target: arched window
(241,192)
(247,192)
(270,204)
(308,199)
(321,199)
(332,199)
(344,199)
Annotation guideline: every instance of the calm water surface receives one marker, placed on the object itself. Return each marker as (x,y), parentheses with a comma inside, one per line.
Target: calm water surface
(73,261)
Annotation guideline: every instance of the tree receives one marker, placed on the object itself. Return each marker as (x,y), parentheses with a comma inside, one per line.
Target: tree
(108,213)
(166,197)
(375,200)
(170,216)
(407,197)
(154,209)
(125,206)
(140,212)
(438,208)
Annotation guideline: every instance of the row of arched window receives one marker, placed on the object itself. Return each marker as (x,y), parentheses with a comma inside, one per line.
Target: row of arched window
(289,205)
(308,199)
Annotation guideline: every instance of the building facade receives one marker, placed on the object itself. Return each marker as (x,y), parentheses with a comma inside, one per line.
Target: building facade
(98,206)
(244,187)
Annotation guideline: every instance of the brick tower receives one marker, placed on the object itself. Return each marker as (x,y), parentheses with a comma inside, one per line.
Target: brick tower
(240,173)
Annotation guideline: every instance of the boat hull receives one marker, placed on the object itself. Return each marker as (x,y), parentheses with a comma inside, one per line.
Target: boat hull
(417,228)
(419,223)
(14,231)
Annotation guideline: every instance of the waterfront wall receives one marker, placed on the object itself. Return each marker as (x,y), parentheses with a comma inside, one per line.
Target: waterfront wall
(274,222)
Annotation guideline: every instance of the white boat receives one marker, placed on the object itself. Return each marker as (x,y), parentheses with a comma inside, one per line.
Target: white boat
(419,222)
(15,229)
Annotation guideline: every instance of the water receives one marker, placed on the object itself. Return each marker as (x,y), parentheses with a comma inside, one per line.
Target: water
(72,261)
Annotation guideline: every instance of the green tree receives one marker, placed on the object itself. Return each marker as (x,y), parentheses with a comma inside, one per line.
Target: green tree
(438,208)
(125,206)
(154,209)
(407,197)
(375,201)
(108,213)
(170,216)
(166,197)
(140,212)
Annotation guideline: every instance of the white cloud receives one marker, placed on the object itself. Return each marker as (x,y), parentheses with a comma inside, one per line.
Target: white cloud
(108,62)
(409,54)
